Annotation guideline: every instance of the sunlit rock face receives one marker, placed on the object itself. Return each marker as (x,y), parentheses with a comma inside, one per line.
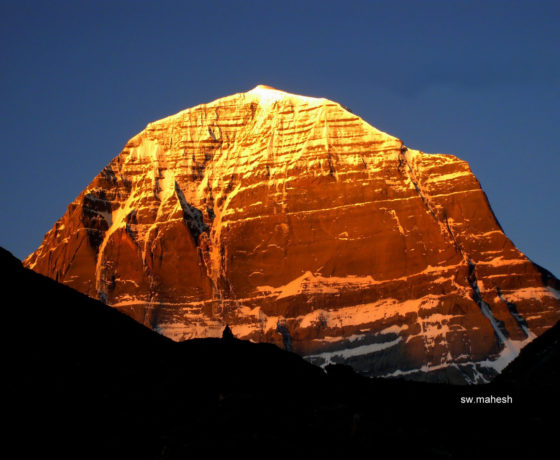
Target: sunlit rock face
(295,222)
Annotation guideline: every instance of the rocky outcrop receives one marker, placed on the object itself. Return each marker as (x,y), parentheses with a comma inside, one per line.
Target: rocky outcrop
(295,222)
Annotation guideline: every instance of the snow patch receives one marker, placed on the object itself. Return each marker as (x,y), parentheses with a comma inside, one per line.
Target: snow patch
(268,95)
(554,292)
(350,338)
(308,283)
(531,293)
(508,354)
(351,352)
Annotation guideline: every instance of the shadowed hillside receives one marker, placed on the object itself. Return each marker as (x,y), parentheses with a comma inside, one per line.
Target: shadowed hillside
(87,379)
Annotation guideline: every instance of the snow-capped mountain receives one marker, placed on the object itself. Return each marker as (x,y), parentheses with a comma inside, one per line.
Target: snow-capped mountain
(296,222)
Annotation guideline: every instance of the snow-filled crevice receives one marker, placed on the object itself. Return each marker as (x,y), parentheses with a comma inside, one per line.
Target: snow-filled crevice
(519,319)
(332,158)
(452,235)
(499,327)
(192,216)
(131,224)
(405,168)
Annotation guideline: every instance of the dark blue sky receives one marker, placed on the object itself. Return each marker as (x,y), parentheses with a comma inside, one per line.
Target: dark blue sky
(480,80)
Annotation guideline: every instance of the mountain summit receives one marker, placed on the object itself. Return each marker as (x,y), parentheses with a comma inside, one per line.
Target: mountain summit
(295,222)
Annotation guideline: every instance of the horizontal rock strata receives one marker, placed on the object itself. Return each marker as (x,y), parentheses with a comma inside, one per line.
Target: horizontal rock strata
(295,222)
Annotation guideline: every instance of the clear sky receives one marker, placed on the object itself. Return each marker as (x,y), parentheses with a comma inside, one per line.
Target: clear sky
(478,79)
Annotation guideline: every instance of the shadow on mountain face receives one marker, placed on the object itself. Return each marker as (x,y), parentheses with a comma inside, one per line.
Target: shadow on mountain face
(86,380)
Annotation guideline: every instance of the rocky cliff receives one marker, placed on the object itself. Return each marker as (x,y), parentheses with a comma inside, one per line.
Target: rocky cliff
(295,222)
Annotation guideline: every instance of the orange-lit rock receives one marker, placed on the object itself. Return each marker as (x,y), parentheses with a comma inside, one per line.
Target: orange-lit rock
(294,221)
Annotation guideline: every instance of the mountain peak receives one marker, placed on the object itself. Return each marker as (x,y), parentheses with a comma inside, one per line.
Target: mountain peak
(266,87)
(296,222)
(268,94)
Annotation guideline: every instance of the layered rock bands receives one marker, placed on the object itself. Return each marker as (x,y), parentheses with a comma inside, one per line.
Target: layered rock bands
(295,222)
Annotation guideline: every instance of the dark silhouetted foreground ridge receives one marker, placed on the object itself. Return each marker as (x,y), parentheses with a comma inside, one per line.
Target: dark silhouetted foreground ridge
(86,380)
